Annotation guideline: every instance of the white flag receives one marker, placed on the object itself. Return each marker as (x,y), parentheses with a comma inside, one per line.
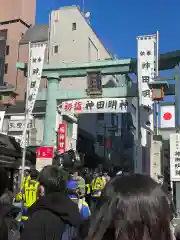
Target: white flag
(35,67)
(36,62)
(167,116)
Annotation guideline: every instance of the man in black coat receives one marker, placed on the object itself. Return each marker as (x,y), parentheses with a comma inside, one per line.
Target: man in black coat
(6,208)
(54,209)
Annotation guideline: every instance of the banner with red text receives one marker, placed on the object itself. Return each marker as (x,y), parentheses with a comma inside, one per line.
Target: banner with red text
(62,138)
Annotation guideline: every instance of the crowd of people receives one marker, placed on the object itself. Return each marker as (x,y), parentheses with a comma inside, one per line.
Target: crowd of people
(56,204)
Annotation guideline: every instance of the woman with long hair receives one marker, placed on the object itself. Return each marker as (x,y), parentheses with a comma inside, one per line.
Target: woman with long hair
(132,208)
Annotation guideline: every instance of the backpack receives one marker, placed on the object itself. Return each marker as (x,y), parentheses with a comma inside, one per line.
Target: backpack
(7,223)
(13,229)
(69,233)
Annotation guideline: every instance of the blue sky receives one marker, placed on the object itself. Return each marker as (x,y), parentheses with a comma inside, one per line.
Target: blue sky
(118,22)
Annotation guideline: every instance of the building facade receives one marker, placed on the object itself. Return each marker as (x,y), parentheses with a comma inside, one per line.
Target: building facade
(15,19)
(70,39)
(76,42)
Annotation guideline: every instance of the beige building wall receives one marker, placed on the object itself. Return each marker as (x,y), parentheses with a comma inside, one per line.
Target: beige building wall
(72,40)
(75,42)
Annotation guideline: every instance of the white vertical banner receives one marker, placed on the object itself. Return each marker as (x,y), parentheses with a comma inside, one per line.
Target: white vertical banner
(175,157)
(146,70)
(36,61)
(35,67)
(146,73)
(2,114)
(167,116)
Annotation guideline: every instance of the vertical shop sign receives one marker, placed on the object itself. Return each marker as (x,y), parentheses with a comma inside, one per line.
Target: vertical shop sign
(62,138)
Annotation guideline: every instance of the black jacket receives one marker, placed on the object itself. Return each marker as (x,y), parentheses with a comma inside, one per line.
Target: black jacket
(7,221)
(48,216)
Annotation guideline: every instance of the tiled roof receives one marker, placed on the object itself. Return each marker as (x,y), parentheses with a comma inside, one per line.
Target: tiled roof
(36,33)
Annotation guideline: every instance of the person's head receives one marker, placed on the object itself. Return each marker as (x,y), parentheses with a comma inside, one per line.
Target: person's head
(95,174)
(34,174)
(52,179)
(26,173)
(75,173)
(3,180)
(131,208)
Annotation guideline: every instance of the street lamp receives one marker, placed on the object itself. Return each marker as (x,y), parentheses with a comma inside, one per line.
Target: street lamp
(158,87)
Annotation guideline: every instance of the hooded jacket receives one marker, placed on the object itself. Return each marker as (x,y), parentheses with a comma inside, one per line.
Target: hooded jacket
(48,216)
(7,215)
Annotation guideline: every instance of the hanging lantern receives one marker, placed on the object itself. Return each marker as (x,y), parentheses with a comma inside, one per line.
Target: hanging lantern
(157,94)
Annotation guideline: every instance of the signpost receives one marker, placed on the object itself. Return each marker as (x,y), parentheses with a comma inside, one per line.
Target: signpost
(175,157)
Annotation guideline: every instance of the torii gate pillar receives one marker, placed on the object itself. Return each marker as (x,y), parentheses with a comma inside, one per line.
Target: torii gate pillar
(51,110)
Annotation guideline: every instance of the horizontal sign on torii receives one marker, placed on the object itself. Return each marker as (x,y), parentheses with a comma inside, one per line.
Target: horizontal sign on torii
(96,105)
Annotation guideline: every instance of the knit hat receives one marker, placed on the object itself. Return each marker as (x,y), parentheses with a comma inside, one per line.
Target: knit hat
(71,185)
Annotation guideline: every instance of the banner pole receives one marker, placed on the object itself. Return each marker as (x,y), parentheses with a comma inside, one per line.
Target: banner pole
(26,117)
(157,74)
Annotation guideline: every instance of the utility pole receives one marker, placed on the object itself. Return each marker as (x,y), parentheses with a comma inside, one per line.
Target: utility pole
(177,98)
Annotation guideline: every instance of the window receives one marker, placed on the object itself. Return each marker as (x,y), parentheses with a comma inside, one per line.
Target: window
(7,50)
(6,68)
(74,26)
(56,49)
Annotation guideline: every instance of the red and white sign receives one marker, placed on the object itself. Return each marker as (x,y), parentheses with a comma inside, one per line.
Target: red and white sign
(62,138)
(44,157)
(167,115)
(45,152)
(95,105)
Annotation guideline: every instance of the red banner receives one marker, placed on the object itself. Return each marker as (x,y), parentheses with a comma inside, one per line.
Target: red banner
(107,143)
(62,138)
(45,152)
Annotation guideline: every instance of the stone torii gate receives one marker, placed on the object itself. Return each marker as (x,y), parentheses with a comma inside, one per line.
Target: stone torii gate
(55,72)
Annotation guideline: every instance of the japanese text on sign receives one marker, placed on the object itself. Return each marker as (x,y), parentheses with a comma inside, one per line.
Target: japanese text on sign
(18,125)
(62,138)
(94,84)
(45,152)
(146,68)
(175,157)
(36,64)
(100,105)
